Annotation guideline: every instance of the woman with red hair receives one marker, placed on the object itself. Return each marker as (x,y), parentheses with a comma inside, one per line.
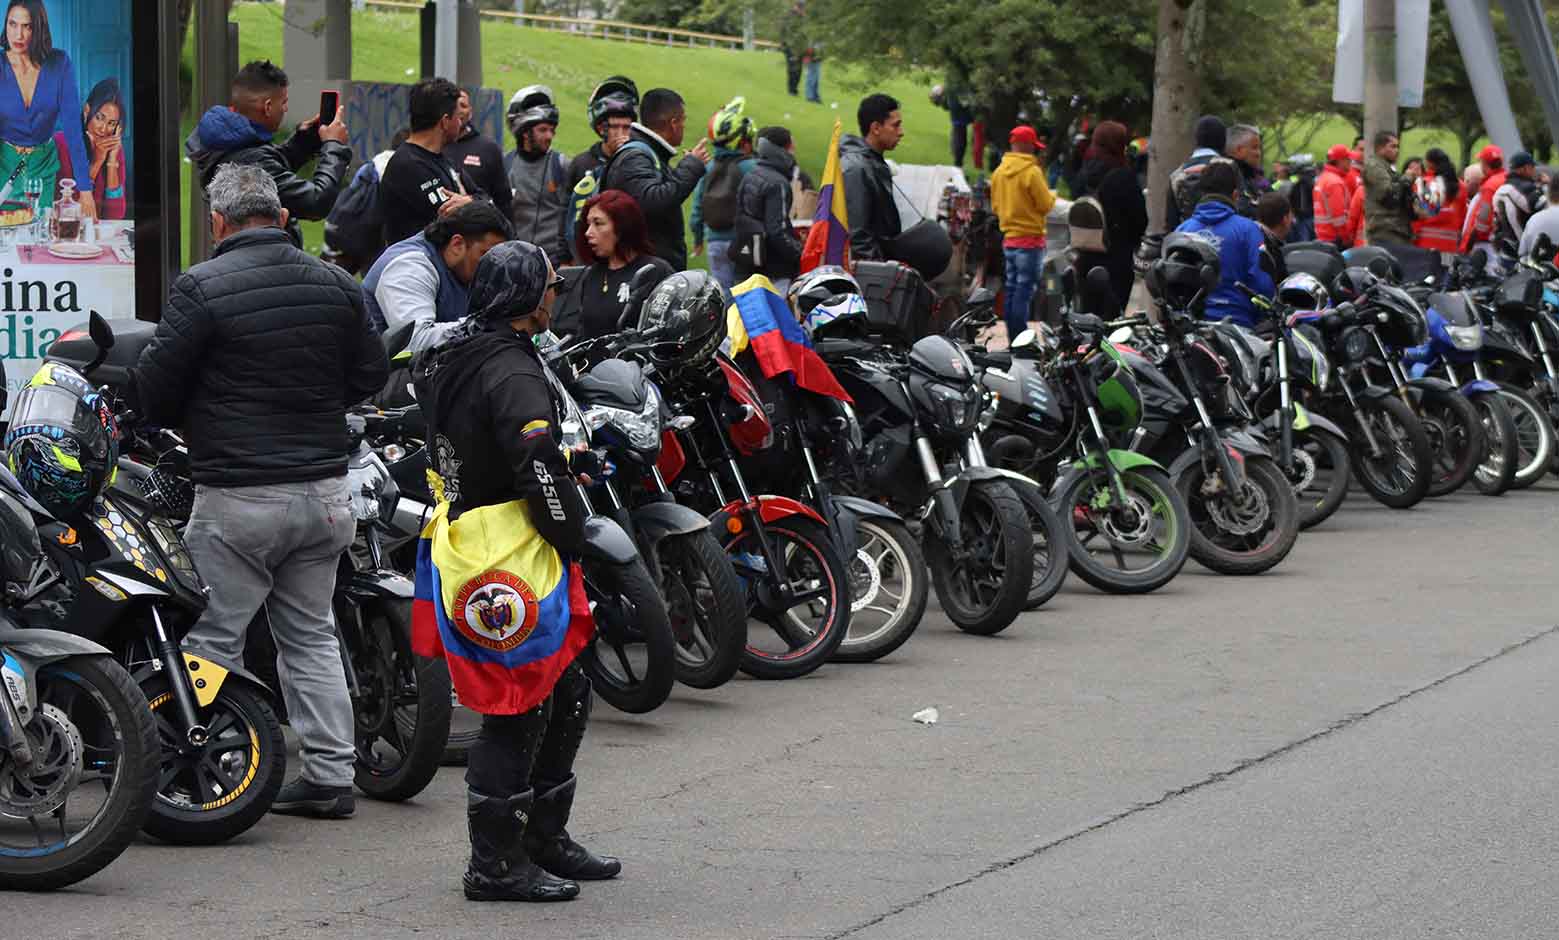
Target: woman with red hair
(614,243)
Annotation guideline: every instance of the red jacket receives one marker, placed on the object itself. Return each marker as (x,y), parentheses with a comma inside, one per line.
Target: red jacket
(1354,235)
(1355,180)
(1481,223)
(1443,230)
(1331,205)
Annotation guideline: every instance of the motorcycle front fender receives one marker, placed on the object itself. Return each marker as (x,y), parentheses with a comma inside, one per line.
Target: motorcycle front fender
(381,583)
(1431,384)
(1375,392)
(847,513)
(1311,420)
(607,541)
(24,652)
(1122,460)
(656,521)
(1479,386)
(207,674)
(770,509)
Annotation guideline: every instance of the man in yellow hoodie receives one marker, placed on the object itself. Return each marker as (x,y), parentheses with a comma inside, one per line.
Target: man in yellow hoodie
(1021,201)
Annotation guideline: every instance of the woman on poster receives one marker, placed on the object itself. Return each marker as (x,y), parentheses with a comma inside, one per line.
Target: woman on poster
(102,129)
(38,89)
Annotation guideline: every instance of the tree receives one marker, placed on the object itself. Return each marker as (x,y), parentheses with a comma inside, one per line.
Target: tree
(1177,95)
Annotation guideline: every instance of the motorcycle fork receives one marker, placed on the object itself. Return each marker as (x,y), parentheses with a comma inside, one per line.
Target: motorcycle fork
(1285,403)
(1091,405)
(751,512)
(1212,444)
(1358,417)
(1551,379)
(171,656)
(13,740)
(941,496)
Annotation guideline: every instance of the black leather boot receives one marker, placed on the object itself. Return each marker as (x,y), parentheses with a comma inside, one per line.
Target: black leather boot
(548,844)
(500,870)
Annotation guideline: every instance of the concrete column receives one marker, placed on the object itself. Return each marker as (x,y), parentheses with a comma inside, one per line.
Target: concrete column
(468,70)
(317,39)
(1536,43)
(1474,32)
(446,41)
(1380,68)
(216,48)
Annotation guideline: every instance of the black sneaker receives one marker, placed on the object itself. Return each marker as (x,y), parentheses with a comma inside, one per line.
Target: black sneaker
(302,798)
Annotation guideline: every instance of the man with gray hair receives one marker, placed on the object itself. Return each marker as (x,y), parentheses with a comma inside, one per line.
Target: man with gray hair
(259,354)
(1245,150)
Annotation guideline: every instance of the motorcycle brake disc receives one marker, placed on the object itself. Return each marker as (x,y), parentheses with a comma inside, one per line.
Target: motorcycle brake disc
(865,585)
(57,763)
(1302,473)
(1245,517)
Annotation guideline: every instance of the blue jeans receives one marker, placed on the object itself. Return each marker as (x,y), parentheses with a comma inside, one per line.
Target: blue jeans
(1022,269)
(720,266)
(814,75)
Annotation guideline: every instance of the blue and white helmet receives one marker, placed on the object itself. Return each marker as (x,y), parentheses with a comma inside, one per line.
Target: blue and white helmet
(825,298)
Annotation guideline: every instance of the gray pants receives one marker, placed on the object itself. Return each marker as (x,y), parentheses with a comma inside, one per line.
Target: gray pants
(279,546)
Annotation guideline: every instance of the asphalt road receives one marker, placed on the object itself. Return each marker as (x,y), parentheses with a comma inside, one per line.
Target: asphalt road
(1357,744)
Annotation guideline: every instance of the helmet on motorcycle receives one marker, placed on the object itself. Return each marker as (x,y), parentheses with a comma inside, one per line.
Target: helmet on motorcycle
(63,442)
(688,308)
(1304,292)
(530,106)
(730,126)
(1352,284)
(1377,260)
(827,298)
(1186,270)
(616,97)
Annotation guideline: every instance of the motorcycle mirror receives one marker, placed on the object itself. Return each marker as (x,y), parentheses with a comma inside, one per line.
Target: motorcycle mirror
(1085,323)
(981,297)
(644,282)
(1122,335)
(102,337)
(1544,248)
(682,422)
(1027,339)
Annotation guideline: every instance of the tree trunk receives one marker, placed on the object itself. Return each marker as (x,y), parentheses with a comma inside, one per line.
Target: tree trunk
(1177,96)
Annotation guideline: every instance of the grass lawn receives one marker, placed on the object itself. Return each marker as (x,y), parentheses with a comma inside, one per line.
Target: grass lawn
(384,46)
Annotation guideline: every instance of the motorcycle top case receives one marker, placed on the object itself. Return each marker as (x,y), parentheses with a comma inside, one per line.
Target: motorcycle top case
(898,302)
(1520,295)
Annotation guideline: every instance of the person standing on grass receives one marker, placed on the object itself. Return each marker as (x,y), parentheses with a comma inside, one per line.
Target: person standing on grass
(537,172)
(643,170)
(715,198)
(764,202)
(1022,202)
(868,181)
(419,183)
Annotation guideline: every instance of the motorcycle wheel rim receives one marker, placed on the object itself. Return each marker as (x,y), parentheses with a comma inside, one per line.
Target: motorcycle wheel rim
(882,567)
(98,760)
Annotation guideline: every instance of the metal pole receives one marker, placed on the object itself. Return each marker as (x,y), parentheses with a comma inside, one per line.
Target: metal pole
(1380,68)
(213,76)
(446,44)
(1474,32)
(1537,53)
(427,24)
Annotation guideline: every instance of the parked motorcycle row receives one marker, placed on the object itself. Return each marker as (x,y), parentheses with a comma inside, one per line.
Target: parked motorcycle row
(744,523)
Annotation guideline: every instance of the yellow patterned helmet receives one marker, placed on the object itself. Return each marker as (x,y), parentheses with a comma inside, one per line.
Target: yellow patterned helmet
(730,125)
(63,442)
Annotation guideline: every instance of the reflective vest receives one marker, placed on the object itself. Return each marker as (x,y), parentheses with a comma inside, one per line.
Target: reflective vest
(1443,230)
(1331,205)
(1479,226)
(1354,235)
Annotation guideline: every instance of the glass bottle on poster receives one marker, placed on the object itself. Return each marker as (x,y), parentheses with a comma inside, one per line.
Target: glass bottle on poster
(66,214)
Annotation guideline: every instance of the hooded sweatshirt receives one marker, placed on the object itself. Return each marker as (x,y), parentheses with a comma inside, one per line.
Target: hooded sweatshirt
(1239,242)
(1020,197)
(224,136)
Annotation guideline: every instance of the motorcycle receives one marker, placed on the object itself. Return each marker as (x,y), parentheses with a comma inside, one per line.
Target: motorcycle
(926,399)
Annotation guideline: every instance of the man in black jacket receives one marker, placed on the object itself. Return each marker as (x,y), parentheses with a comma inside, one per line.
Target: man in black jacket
(642,169)
(763,205)
(420,184)
(868,180)
(479,157)
(242,132)
(259,353)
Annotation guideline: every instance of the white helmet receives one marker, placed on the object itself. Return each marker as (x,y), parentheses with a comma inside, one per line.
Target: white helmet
(825,296)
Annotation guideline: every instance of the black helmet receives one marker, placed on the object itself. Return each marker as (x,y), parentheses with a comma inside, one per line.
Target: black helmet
(530,106)
(1304,292)
(688,308)
(1352,284)
(63,442)
(618,96)
(1186,270)
(510,282)
(1377,260)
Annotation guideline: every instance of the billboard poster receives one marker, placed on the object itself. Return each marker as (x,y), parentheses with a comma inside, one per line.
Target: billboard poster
(67,199)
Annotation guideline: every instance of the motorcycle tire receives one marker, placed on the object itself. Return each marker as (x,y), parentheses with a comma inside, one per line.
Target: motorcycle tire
(1050,554)
(707,608)
(1534,435)
(127,722)
(389,674)
(995,525)
(630,615)
(1150,488)
(1318,503)
(253,732)
(1497,471)
(811,642)
(1400,478)
(1244,555)
(1455,435)
(886,552)
(464,726)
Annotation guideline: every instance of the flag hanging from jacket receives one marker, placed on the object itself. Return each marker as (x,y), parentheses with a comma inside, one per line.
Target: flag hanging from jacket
(760,319)
(495,600)
(828,241)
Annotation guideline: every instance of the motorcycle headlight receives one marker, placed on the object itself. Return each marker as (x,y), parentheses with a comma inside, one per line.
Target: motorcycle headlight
(172,548)
(957,408)
(1323,371)
(1356,345)
(1466,337)
(641,429)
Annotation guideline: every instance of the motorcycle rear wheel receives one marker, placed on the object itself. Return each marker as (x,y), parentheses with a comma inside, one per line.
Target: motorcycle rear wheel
(1455,435)
(986,592)
(402,714)
(122,737)
(1399,477)
(632,659)
(706,605)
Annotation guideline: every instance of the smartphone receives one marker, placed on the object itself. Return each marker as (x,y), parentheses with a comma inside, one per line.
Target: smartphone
(328,102)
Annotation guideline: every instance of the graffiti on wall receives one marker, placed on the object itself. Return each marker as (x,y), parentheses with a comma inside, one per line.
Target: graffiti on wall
(375,111)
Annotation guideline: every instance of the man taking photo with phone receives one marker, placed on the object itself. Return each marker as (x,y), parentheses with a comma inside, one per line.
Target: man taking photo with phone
(243,131)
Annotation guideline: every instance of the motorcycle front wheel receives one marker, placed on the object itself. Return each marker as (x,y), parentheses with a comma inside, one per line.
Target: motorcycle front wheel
(632,659)
(1319,476)
(93,778)
(212,792)
(1050,554)
(1129,548)
(1398,474)
(809,627)
(401,714)
(1534,436)
(888,591)
(1245,533)
(983,584)
(1455,436)
(1497,470)
(706,605)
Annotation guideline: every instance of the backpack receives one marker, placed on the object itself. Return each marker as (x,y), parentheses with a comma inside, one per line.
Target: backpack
(719,206)
(1186,185)
(590,184)
(354,228)
(1085,223)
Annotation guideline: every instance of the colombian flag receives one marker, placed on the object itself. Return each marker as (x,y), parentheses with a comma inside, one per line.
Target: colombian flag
(499,604)
(828,241)
(761,320)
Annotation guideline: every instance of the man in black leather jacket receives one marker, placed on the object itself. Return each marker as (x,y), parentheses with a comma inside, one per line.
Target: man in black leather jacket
(642,169)
(494,431)
(868,180)
(242,132)
(259,353)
